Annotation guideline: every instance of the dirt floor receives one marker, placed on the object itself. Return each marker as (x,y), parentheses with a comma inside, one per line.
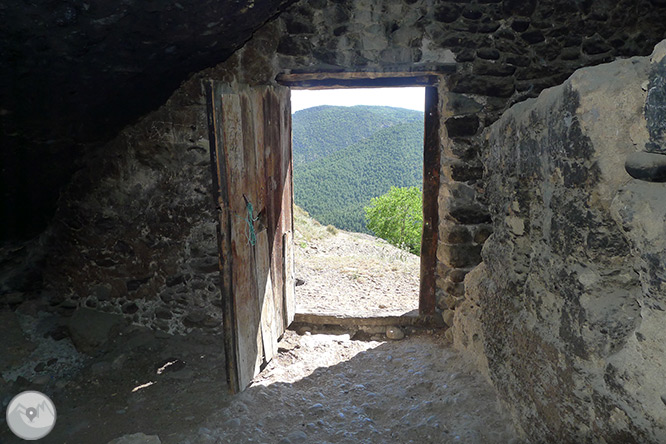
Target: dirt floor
(351,273)
(321,388)
(330,389)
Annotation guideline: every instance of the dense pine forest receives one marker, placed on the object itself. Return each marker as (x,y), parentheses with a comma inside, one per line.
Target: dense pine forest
(345,156)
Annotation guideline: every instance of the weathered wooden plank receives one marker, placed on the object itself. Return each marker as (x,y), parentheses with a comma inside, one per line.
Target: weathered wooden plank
(269,338)
(431,159)
(275,180)
(289,302)
(262,247)
(220,194)
(241,164)
(288,288)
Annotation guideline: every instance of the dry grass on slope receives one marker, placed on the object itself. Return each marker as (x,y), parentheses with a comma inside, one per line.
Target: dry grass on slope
(351,273)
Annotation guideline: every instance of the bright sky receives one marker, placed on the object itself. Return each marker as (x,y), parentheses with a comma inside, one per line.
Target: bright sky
(410,98)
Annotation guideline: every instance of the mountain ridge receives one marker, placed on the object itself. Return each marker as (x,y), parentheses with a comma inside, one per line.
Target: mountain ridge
(316,131)
(338,181)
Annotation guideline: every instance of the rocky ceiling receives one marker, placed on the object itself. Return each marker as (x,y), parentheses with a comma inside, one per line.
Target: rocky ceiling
(75,71)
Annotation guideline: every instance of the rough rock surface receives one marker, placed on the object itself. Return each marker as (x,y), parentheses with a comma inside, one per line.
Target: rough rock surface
(89,329)
(136,438)
(76,72)
(569,304)
(15,346)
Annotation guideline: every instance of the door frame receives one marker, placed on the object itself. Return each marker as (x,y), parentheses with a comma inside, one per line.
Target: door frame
(431,155)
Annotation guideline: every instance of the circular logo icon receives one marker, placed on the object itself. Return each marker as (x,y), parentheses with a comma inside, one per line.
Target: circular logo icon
(31,415)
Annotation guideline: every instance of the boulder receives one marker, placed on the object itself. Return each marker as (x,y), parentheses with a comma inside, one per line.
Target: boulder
(569,305)
(89,329)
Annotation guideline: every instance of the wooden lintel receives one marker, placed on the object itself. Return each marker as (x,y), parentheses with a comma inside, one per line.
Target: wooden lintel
(328,80)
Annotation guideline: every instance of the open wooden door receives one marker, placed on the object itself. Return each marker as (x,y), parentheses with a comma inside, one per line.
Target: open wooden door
(250,141)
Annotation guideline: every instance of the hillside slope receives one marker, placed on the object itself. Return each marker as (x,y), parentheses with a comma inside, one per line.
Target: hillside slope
(336,187)
(323,130)
(351,273)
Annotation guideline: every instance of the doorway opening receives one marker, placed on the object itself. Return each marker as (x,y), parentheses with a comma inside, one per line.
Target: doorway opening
(250,145)
(354,160)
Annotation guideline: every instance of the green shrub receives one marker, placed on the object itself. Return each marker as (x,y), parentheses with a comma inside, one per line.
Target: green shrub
(397,216)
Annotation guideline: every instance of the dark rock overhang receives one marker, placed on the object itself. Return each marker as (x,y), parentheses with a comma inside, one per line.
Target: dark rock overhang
(75,72)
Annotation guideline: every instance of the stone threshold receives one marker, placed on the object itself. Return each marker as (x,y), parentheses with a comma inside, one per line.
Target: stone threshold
(325,322)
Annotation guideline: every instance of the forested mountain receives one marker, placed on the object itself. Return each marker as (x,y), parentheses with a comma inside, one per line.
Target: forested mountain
(341,179)
(323,130)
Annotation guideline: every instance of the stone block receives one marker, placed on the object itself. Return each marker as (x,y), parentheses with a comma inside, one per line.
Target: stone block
(456,289)
(461,148)
(457,203)
(299,26)
(485,86)
(472,13)
(452,301)
(447,13)
(520,24)
(533,36)
(468,214)
(488,54)
(89,329)
(460,255)
(293,46)
(461,171)
(456,192)
(489,27)
(482,232)
(465,55)
(458,274)
(447,317)
(494,69)
(572,53)
(459,104)
(441,301)
(595,45)
(453,233)
(523,8)
(462,126)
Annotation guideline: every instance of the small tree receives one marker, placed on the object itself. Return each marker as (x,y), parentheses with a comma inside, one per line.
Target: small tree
(397,216)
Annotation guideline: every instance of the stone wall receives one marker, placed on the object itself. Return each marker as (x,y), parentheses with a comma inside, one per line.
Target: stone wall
(134,232)
(505,51)
(566,313)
